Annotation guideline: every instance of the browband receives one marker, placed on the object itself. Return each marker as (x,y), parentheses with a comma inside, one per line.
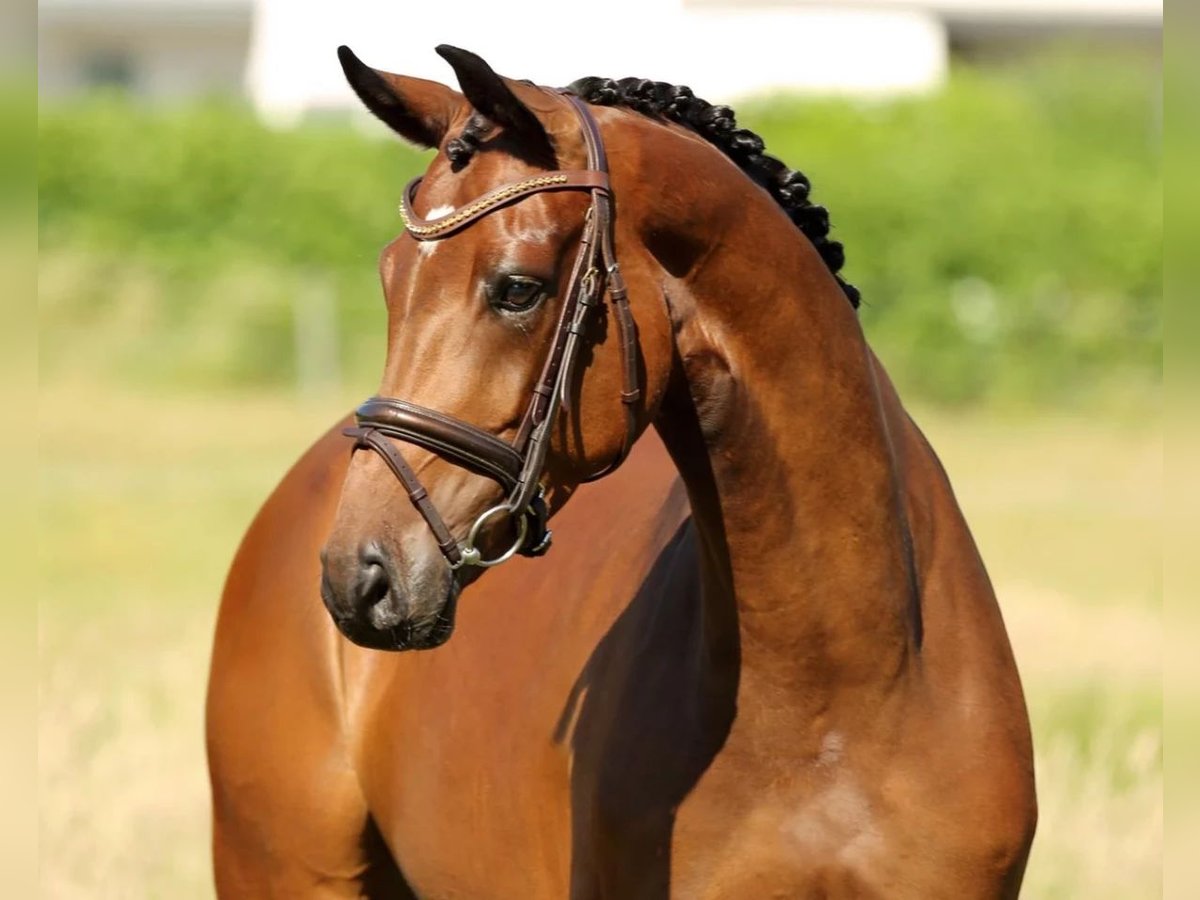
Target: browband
(443,226)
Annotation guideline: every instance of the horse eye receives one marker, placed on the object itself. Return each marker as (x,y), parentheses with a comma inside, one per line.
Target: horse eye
(520,293)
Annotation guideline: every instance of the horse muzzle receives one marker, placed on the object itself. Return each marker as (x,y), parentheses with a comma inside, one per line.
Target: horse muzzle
(375,608)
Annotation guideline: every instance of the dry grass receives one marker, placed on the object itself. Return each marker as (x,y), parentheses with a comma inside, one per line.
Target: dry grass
(137,531)
(144,498)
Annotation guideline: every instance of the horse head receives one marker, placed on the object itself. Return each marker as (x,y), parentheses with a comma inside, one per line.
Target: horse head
(514,369)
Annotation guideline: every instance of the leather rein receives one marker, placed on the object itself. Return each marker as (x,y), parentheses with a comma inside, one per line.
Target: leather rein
(517,467)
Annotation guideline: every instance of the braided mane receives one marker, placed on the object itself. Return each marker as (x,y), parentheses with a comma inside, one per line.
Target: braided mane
(718,126)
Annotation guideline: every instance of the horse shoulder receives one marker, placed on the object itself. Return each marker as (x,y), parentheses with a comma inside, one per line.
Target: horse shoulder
(288,816)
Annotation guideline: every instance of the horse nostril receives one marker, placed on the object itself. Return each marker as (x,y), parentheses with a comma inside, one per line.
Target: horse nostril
(373,585)
(376,596)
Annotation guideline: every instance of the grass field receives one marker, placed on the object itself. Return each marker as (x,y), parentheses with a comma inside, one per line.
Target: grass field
(144,497)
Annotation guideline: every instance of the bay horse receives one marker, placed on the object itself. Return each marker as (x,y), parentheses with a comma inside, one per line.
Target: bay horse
(781,672)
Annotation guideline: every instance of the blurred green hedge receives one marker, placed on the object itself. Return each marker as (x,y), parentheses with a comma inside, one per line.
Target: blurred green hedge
(1006,232)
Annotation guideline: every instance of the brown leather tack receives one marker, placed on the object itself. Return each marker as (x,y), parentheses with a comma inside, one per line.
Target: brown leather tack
(518,467)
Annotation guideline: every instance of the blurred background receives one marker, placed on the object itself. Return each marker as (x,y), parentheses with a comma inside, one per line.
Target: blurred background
(211,206)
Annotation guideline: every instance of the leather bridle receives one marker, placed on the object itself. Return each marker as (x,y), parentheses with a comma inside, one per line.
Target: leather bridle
(517,467)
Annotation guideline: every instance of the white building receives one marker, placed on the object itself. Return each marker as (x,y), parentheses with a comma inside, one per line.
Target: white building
(281,52)
(154,48)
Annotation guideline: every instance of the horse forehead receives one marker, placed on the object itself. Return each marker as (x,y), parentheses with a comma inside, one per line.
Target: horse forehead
(427,248)
(443,187)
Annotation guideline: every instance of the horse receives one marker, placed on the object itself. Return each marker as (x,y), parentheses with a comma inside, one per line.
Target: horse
(759,656)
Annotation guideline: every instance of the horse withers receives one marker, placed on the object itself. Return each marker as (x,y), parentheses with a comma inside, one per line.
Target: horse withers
(782,672)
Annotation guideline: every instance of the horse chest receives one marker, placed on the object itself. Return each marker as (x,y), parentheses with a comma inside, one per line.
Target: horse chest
(739,837)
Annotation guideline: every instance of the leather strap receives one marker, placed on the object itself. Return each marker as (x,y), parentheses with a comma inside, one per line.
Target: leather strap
(615,284)
(372,439)
(444,435)
(444,226)
(548,379)
(631,391)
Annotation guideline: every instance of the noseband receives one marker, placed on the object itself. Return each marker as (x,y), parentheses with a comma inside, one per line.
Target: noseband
(517,467)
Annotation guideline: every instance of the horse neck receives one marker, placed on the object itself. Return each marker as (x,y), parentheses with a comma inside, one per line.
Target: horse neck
(775,421)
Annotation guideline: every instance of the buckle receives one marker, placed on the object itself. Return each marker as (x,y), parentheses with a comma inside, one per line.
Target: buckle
(539,537)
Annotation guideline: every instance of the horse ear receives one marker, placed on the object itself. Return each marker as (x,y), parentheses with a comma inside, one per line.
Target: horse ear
(491,95)
(420,111)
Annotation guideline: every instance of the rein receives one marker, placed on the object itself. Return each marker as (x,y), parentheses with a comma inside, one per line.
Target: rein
(517,467)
